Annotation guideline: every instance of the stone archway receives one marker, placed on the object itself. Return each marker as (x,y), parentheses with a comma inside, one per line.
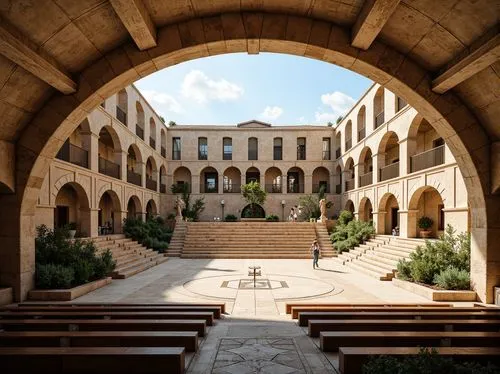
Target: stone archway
(72,205)
(296,32)
(255,211)
(134,208)
(151,210)
(109,219)
(426,201)
(388,214)
(365,211)
(349,206)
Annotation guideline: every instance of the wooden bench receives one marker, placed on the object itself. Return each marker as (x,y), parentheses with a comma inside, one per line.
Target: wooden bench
(85,360)
(103,325)
(304,317)
(331,341)
(216,310)
(289,306)
(352,359)
(207,316)
(316,326)
(297,310)
(186,339)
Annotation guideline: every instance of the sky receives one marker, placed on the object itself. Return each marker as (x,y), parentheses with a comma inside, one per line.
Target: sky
(233,88)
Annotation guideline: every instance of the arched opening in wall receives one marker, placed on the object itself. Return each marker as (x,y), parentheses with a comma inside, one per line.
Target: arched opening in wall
(338,145)
(73,209)
(348,136)
(295,180)
(252,175)
(182,180)
(76,148)
(365,167)
(388,157)
(253,211)
(426,148)
(274,180)
(122,107)
(141,119)
(151,174)
(232,180)
(349,175)
(134,165)
(209,180)
(378,108)
(365,211)
(426,202)
(109,214)
(163,139)
(134,208)
(152,133)
(362,123)
(320,180)
(388,214)
(338,180)
(110,158)
(163,179)
(151,210)
(349,206)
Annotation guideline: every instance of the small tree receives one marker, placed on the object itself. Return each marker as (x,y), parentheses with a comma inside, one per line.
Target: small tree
(309,205)
(191,212)
(339,119)
(162,119)
(254,195)
(172,123)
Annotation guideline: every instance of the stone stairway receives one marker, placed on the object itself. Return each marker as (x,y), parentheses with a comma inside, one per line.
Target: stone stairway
(379,256)
(177,242)
(130,256)
(325,244)
(249,240)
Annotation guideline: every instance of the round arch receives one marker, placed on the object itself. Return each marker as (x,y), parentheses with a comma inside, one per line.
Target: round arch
(321,180)
(232,180)
(323,40)
(255,211)
(365,210)
(151,210)
(426,201)
(388,214)
(182,177)
(361,123)
(72,205)
(252,175)
(274,180)
(134,208)
(109,136)
(295,180)
(349,205)
(365,167)
(209,180)
(388,156)
(109,219)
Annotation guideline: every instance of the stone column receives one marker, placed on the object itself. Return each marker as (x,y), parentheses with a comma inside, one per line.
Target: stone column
(408,223)
(121,159)
(195,184)
(379,221)
(284,184)
(141,168)
(89,221)
(404,160)
(91,144)
(262,181)
(220,184)
(376,166)
(118,221)
(356,176)
(345,178)
(308,184)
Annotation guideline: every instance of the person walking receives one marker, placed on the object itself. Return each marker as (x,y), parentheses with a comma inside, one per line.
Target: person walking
(292,215)
(315,252)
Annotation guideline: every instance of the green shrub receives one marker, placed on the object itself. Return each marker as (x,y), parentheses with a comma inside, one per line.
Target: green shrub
(231,218)
(453,279)
(152,234)
(349,233)
(272,218)
(50,276)
(345,217)
(404,271)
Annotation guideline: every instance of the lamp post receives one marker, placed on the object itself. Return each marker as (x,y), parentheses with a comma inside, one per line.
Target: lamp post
(222,202)
(283,202)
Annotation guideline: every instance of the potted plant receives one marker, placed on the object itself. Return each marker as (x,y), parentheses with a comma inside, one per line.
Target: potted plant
(72,230)
(424,224)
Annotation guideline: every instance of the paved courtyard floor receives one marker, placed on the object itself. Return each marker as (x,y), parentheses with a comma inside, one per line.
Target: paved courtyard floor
(255,336)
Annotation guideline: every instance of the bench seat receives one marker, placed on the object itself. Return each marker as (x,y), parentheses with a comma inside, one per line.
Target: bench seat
(352,359)
(100,360)
(186,339)
(316,326)
(331,341)
(289,306)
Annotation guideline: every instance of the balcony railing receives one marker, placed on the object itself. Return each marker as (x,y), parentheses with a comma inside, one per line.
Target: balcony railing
(389,172)
(209,188)
(361,133)
(139,131)
(227,156)
(273,188)
(365,179)
(152,142)
(326,155)
(338,189)
(348,144)
(231,188)
(317,187)
(176,155)
(121,115)
(379,119)
(277,154)
(109,168)
(74,154)
(179,188)
(202,156)
(295,188)
(427,159)
(151,184)
(338,152)
(163,188)
(349,185)
(253,155)
(163,152)
(134,178)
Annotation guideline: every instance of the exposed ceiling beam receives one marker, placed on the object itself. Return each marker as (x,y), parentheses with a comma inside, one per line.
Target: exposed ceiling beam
(136,19)
(371,19)
(22,51)
(482,57)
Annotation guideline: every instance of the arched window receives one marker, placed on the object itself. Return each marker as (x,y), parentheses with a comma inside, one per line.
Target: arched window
(253,149)
(227,149)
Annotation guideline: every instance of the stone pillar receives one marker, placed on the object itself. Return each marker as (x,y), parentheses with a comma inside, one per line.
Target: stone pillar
(220,183)
(356,175)
(345,178)
(118,221)
(376,167)
(121,159)
(156,174)
(141,168)
(89,221)
(195,184)
(404,160)
(91,144)
(284,184)
(458,218)
(408,223)
(308,184)
(262,181)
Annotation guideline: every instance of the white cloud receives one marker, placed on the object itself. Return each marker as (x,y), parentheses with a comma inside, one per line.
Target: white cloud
(167,102)
(301,120)
(272,112)
(338,102)
(324,117)
(199,87)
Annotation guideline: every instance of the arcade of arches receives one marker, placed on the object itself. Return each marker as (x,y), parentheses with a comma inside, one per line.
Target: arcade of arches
(452,87)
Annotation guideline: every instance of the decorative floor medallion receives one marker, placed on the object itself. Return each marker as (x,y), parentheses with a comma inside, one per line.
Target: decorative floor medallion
(263,356)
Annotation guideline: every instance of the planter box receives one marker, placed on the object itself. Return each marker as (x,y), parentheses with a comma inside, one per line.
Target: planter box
(70,293)
(497,296)
(435,295)
(5,296)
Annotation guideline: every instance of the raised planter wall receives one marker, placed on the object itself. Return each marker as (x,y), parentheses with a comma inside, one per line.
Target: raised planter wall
(70,293)
(435,295)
